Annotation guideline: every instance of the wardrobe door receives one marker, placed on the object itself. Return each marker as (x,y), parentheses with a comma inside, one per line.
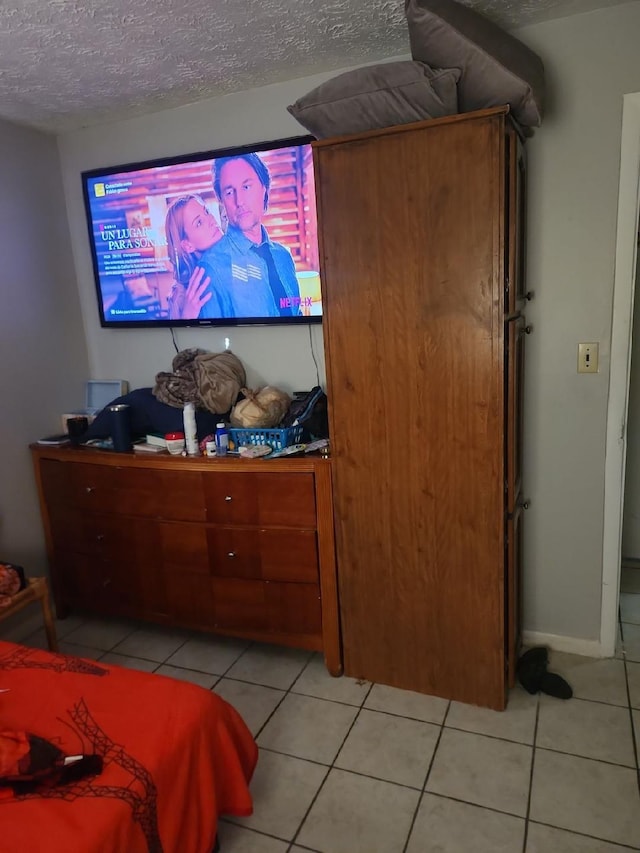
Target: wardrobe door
(412,223)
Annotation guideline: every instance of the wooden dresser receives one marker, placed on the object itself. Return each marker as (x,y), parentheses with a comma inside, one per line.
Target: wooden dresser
(237,547)
(423,297)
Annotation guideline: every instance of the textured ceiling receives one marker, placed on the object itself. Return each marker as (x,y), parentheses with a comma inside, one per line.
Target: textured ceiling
(65,64)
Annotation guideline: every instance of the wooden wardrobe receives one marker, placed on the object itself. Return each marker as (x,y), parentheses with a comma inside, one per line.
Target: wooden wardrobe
(423,289)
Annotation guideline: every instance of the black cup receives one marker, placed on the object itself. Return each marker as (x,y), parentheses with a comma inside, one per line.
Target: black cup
(120,416)
(76,427)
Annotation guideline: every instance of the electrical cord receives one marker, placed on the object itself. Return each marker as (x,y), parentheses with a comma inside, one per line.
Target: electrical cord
(313,355)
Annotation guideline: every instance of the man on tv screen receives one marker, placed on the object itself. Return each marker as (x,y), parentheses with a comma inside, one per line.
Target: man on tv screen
(255,273)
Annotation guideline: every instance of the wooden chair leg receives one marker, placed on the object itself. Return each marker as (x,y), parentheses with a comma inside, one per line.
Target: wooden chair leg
(47,615)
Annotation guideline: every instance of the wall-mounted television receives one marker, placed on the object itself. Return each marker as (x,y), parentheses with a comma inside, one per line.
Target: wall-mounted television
(221,238)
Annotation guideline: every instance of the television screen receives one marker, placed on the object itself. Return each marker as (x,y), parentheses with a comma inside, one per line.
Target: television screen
(226,237)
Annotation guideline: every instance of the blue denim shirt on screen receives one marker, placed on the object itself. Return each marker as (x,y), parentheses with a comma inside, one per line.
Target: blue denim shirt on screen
(240,278)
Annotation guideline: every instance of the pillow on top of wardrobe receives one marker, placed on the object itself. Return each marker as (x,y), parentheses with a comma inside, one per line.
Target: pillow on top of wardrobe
(495,67)
(377,96)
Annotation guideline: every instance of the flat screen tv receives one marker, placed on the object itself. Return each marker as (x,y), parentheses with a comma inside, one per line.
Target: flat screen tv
(220,238)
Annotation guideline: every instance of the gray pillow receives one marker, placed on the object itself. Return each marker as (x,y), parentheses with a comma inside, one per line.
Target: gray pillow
(377,96)
(495,67)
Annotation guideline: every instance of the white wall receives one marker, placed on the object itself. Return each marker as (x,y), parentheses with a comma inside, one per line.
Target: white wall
(591,61)
(42,341)
(275,355)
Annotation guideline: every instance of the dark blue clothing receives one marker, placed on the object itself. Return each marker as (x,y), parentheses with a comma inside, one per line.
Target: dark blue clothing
(240,278)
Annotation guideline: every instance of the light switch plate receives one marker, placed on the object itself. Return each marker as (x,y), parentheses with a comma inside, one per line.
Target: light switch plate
(588,358)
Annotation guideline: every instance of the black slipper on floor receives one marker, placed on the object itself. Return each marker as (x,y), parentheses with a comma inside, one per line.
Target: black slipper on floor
(532,673)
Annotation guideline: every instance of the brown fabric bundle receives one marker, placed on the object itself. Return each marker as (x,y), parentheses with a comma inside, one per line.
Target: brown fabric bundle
(210,380)
(219,378)
(264,408)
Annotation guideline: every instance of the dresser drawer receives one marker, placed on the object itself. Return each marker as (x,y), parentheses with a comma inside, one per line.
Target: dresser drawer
(124,491)
(189,597)
(106,536)
(278,608)
(107,586)
(263,500)
(267,553)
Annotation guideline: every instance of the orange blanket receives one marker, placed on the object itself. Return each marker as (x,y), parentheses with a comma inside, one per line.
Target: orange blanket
(175,757)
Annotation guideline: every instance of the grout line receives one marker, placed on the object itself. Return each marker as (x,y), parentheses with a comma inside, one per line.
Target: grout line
(578,834)
(633,730)
(426,778)
(587,757)
(282,698)
(533,761)
(231,821)
(331,766)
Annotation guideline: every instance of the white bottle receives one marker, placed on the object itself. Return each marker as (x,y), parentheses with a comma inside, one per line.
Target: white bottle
(190,434)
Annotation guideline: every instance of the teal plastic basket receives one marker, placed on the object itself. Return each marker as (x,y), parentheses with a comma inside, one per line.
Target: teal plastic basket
(276,438)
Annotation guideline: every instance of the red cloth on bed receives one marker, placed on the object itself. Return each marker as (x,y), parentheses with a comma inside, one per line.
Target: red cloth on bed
(175,757)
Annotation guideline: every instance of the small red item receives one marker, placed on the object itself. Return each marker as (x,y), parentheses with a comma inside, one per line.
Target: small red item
(173,436)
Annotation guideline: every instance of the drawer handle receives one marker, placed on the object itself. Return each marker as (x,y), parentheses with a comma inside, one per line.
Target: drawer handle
(231,555)
(228,498)
(89,489)
(100,537)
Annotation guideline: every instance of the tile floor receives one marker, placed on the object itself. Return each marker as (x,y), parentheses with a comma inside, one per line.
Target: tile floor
(352,767)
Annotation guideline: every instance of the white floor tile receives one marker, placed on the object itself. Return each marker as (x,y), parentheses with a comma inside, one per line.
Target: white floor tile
(546,839)
(239,839)
(209,654)
(482,770)
(155,644)
(202,679)
(253,702)
(129,662)
(63,628)
(630,607)
(516,723)
(101,633)
(392,748)
(37,640)
(20,626)
(80,651)
(406,703)
(316,681)
(590,797)
(633,674)
(630,580)
(631,641)
(589,729)
(354,813)
(592,678)
(66,626)
(308,728)
(272,666)
(282,789)
(448,826)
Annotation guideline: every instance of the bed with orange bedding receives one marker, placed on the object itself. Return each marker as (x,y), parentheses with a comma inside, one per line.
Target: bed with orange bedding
(175,757)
